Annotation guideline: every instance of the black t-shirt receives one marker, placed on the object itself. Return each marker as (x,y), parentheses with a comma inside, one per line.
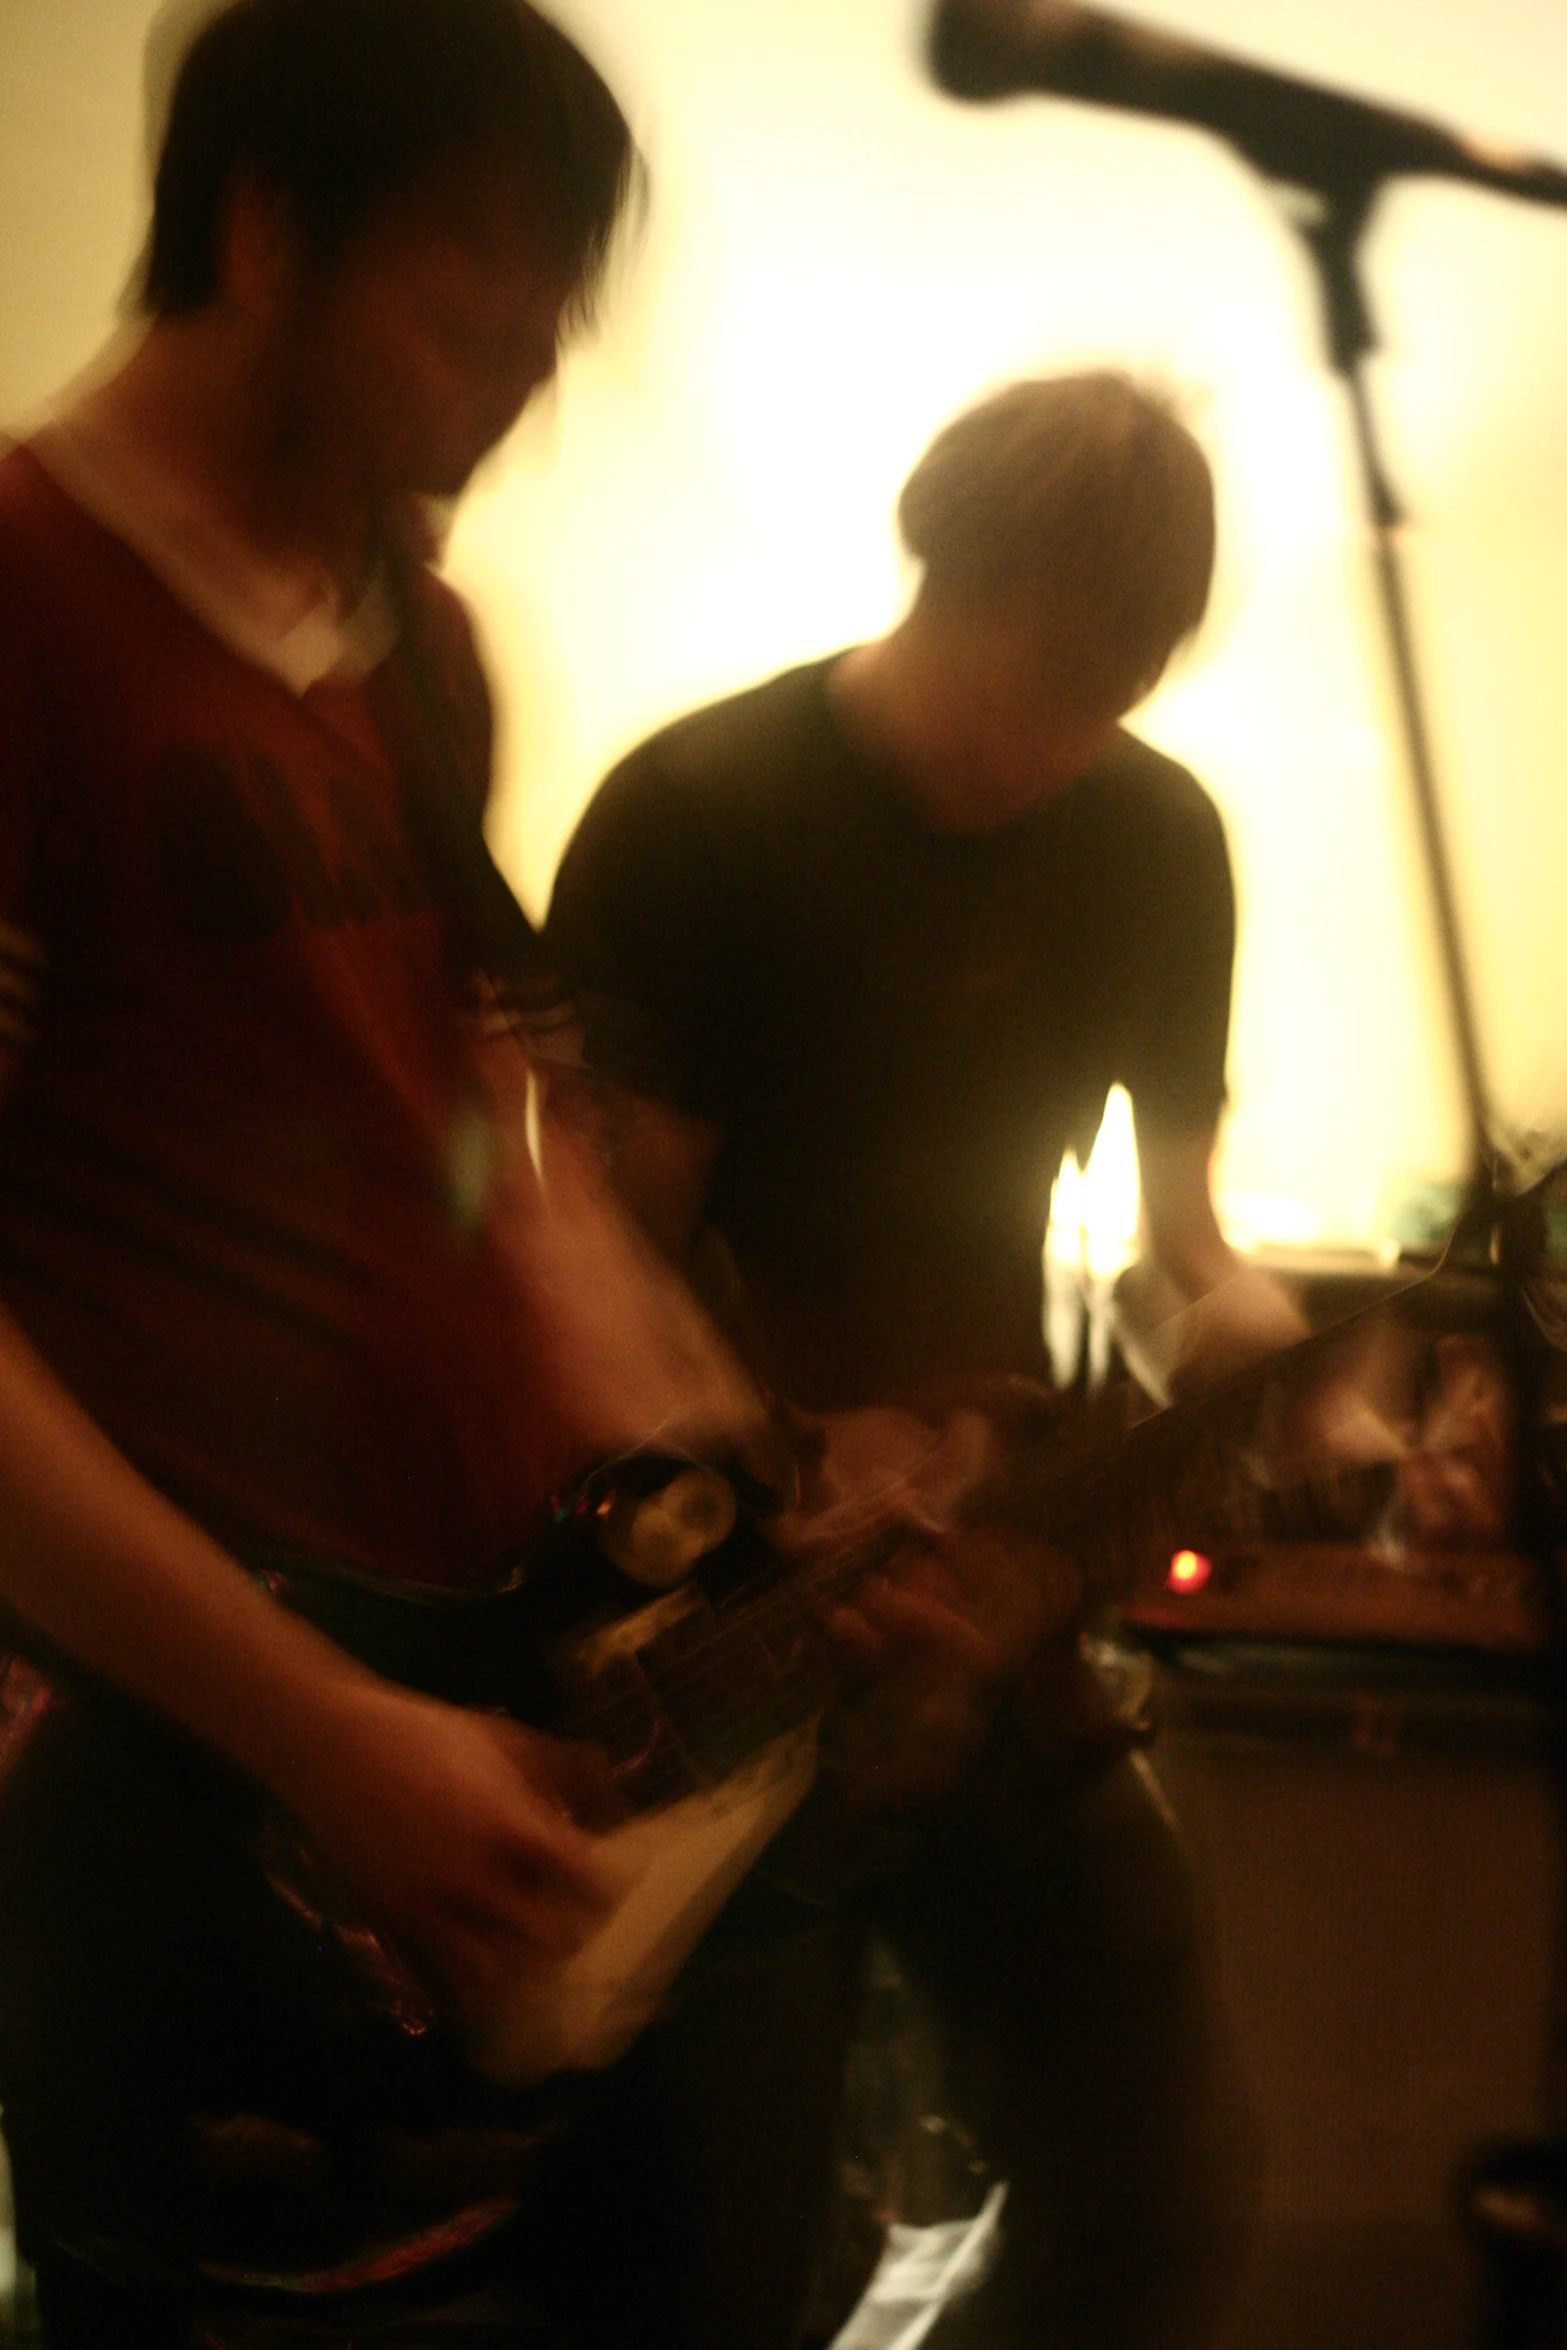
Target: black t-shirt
(899,1029)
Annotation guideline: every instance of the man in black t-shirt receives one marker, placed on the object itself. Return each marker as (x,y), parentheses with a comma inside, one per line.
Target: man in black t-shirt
(865,947)
(887,1032)
(861,952)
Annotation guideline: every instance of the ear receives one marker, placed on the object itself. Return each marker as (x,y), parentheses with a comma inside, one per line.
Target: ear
(258,249)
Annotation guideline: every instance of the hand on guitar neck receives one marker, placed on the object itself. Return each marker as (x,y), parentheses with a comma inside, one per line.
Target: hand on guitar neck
(952,1617)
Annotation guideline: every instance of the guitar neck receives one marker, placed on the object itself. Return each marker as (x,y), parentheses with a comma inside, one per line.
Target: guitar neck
(1120,1499)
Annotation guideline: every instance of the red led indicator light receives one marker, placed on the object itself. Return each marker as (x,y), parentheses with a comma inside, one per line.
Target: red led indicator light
(1189,1571)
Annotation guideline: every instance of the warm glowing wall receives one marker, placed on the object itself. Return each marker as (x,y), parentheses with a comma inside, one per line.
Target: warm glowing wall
(835,259)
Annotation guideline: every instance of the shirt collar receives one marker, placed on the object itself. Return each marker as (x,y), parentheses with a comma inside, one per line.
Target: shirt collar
(272,614)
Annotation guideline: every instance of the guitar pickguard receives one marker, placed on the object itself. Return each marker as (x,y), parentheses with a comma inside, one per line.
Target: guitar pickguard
(675,1869)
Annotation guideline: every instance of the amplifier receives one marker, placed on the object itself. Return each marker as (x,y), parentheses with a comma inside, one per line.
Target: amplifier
(1375,1832)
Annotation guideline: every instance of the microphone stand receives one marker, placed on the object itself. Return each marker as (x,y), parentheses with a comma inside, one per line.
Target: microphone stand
(1331,223)
(1514,2195)
(1334,155)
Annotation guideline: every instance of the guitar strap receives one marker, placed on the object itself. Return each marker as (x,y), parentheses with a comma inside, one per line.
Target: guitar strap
(445,813)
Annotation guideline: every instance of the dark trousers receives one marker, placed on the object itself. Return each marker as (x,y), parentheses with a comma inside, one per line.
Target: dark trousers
(1056,1937)
(1053,1935)
(1052,1931)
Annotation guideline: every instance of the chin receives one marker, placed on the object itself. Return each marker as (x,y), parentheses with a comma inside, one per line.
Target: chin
(439,470)
(446,479)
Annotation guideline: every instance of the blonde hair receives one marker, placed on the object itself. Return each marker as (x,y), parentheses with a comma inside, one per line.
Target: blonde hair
(1085,494)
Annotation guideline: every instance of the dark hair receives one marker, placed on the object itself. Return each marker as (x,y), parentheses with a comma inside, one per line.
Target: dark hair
(339,105)
(1086,493)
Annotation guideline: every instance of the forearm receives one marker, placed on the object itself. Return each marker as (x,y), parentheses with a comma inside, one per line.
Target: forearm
(1177,1342)
(116,1577)
(449,1826)
(1191,1310)
(657,1160)
(1194,1257)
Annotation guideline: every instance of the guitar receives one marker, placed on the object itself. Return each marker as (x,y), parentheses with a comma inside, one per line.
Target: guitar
(656,1619)
(655,1616)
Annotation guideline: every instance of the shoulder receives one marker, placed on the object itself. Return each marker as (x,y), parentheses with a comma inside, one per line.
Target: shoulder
(663,897)
(44,534)
(42,523)
(444,630)
(705,793)
(1148,785)
(442,663)
(29,498)
(451,622)
(80,605)
(55,566)
(442,612)
(745,748)
(1138,805)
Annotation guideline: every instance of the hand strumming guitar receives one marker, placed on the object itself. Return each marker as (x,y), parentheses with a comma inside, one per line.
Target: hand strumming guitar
(466,1836)
(455,1831)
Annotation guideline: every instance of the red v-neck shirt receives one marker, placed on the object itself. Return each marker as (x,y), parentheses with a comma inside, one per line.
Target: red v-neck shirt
(228,1211)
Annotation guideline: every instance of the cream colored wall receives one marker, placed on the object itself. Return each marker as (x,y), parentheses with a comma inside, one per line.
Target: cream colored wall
(835,259)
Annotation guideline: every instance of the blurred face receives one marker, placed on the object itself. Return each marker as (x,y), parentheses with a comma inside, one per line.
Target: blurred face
(412,354)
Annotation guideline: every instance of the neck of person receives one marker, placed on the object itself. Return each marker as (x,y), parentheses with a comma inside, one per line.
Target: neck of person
(955,707)
(207,404)
(899,699)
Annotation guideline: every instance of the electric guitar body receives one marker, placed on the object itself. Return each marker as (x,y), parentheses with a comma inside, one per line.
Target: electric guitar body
(202,2041)
(652,1621)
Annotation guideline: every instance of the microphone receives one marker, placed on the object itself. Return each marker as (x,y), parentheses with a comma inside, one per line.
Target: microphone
(1290,130)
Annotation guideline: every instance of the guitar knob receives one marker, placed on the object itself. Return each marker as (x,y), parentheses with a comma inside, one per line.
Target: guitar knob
(657,1538)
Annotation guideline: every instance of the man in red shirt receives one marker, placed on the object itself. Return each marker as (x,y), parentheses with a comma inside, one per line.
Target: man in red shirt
(250,1294)
(269,1278)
